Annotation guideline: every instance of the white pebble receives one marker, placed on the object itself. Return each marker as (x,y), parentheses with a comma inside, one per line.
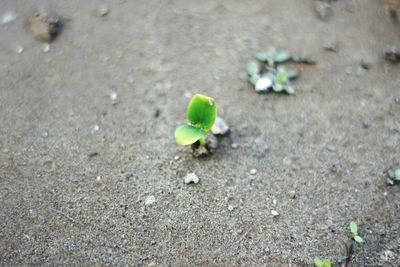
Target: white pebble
(234,145)
(96,128)
(8,17)
(177,157)
(103,10)
(191,178)
(220,127)
(19,49)
(113,96)
(263,84)
(98,178)
(150,200)
(230,207)
(130,79)
(45,48)
(253,171)
(274,213)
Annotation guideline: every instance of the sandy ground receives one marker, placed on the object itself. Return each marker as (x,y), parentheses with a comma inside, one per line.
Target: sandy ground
(72,194)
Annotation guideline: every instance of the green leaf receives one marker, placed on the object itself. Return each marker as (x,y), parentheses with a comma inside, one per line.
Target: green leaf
(358,239)
(282,76)
(263,56)
(252,68)
(326,263)
(353,228)
(318,262)
(290,90)
(397,174)
(392,173)
(277,87)
(187,134)
(253,79)
(281,57)
(293,74)
(202,111)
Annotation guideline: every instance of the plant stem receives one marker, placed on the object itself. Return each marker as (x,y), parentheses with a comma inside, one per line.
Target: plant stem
(202,141)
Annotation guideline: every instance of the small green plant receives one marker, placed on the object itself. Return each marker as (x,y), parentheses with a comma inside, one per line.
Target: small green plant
(201,114)
(322,263)
(354,232)
(271,76)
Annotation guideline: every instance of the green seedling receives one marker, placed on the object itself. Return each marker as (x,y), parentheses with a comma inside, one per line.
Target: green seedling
(201,114)
(354,232)
(272,76)
(322,263)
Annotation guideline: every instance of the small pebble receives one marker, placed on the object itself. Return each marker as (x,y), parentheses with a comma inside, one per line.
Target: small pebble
(177,158)
(292,194)
(188,94)
(274,213)
(98,178)
(8,17)
(45,48)
(150,200)
(103,10)
(220,127)
(331,148)
(253,171)
(191,178)
(113,96)
(152,264)
(19,49)
(274,201)
(263,84)
(45,134)
(230,207)
(387,255)
(234,145)
(96,128)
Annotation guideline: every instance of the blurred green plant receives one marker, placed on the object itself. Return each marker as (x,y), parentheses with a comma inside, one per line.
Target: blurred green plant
(322,263)
(394,175)
(271,76)
(201,114)
(354,233)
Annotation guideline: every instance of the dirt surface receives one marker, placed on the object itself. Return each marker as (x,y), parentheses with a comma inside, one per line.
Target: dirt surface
(76,167)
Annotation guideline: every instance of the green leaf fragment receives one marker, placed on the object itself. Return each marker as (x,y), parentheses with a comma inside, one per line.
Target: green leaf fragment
(187,134)
(277,87)
(354,228)
(358,239)
(263,56)
(397,174)
(290,90)
(253,79)
(318,262)
(282,76)
(202,112)
(281,57)
(293,74)
(392,173)
(252,68)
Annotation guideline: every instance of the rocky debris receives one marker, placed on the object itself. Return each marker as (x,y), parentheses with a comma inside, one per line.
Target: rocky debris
(191,178)
(7,17)
(393,54)
(387,255)
(323,9)
(220,127)
(44,25)
(253,171)
(150,200)
(103,10)
(210,146)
